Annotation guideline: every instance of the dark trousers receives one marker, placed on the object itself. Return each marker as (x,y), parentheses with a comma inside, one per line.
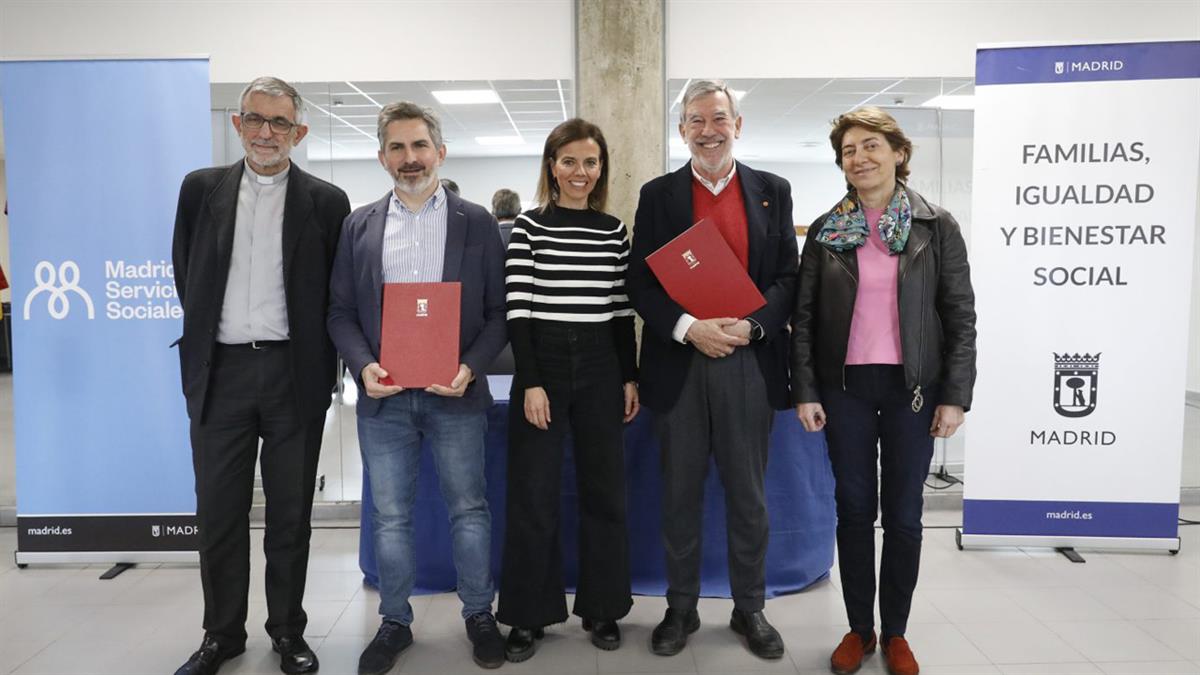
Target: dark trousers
(872,420)
(723,412)
(251,397)
(577,364)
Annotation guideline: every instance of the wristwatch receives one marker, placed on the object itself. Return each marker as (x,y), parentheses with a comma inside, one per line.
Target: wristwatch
(756,330)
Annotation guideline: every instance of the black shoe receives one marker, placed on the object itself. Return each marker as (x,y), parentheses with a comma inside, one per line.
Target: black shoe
(208,659)
(671,634)
(379,656)
(605,634)
(488,650)
(295,656)
(522,643)
(761,637)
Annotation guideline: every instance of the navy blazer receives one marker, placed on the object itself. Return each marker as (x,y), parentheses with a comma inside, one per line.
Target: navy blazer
(664,211)
(474,257)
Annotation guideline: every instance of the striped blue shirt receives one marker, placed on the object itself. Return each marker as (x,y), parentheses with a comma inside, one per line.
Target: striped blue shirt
(414,244)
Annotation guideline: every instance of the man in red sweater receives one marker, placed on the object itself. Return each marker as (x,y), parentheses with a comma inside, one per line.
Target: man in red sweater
(713,383)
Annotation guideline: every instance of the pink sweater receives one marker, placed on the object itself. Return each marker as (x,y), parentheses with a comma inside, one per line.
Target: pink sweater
(875,326)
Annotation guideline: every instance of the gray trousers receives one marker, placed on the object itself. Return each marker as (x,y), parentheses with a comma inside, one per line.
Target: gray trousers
(722,411)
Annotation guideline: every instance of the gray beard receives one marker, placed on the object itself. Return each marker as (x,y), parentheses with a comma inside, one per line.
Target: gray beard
(414,188)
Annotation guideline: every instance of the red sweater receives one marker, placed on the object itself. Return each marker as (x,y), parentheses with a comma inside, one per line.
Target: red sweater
(728,212)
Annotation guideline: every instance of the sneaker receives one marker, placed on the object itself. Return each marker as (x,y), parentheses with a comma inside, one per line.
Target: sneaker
(849,655)
(488,644)
(899,658)
(379,656)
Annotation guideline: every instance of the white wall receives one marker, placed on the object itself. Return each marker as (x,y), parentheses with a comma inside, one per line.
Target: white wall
(870,38)
(311,41)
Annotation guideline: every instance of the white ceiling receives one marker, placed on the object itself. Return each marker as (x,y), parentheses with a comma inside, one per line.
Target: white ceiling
(789,119)
(786,119)
(342,115)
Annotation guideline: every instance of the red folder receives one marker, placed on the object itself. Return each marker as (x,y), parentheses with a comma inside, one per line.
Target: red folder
(701,273)
(419,342)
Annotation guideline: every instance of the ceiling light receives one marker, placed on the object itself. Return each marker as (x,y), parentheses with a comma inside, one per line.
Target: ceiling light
(951,102)
(466,96)
(499,140)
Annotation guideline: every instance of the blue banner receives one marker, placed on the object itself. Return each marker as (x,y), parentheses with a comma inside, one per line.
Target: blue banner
(96,152)
(1088,63)
(1070,518)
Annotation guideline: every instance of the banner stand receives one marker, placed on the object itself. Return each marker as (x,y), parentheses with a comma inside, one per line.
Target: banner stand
(26,558)
(1084,204)
(103,465)
(1064,543)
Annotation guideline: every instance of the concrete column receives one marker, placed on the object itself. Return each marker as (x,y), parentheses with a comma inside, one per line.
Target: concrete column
(620,84)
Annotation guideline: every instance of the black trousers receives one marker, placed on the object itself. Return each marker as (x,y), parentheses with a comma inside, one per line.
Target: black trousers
(723,412)
(251,397)
(578,366)
(871,425)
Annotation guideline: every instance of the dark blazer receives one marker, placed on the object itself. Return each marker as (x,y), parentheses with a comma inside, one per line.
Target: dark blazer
(664,211)
(936,304)
(313,212)
(473,257)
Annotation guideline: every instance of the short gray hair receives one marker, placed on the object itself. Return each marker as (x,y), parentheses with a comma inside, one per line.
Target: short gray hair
(700,88)
(407,110)
(506,204)
(273,86)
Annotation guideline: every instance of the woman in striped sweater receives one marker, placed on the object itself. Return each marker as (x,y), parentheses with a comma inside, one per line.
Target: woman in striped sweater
(571,328)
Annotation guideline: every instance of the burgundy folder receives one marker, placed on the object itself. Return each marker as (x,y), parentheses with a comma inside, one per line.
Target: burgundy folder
(701,273)
(419,344)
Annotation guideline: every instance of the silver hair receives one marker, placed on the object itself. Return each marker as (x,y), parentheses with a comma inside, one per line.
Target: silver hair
(273,86)
(407,110)
(700,88)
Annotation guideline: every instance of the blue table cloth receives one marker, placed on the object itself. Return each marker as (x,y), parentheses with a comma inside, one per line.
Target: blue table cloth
(799,486)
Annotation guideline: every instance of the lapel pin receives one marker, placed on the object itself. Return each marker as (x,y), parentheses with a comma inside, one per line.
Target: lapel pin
(766,204)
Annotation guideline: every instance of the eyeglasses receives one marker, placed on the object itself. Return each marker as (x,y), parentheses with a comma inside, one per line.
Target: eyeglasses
(279,125)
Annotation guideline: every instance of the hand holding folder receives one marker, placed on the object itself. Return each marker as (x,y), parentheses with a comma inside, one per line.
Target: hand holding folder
(418,346)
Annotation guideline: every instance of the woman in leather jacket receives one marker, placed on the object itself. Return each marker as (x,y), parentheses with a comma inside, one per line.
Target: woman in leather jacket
(882,359)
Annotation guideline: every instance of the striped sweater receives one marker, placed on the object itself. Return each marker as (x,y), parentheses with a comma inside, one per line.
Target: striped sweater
(567,265)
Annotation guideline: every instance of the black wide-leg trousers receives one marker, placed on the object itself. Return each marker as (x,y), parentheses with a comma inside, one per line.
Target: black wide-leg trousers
(577,363)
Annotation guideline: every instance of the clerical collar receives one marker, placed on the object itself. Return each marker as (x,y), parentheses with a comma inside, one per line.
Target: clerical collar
(268,180)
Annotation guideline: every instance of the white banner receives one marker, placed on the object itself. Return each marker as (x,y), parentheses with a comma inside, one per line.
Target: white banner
(1084,213)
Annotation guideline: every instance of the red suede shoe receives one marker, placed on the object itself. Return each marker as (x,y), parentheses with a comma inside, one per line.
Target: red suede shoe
(849,655)
(899,658)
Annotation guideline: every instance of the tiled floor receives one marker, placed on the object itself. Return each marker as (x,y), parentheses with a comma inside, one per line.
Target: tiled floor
(996,611)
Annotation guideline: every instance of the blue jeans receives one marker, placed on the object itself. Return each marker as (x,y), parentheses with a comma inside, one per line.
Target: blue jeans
(390,442)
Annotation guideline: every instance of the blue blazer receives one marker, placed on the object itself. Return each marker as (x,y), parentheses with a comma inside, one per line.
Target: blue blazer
(474,257)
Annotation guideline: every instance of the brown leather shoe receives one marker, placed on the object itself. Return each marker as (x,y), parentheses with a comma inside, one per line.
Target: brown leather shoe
(849,655)
(900,659)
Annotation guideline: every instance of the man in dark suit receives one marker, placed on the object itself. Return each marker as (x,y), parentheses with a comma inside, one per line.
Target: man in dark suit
(714,382)
(253,249)
(421,232)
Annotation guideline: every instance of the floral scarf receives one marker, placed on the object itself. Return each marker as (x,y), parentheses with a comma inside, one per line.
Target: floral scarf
(846,226)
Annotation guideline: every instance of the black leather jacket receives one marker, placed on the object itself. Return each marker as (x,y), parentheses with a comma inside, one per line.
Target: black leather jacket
(937,310)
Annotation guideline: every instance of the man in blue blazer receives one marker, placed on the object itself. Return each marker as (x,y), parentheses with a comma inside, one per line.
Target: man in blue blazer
(420,232)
